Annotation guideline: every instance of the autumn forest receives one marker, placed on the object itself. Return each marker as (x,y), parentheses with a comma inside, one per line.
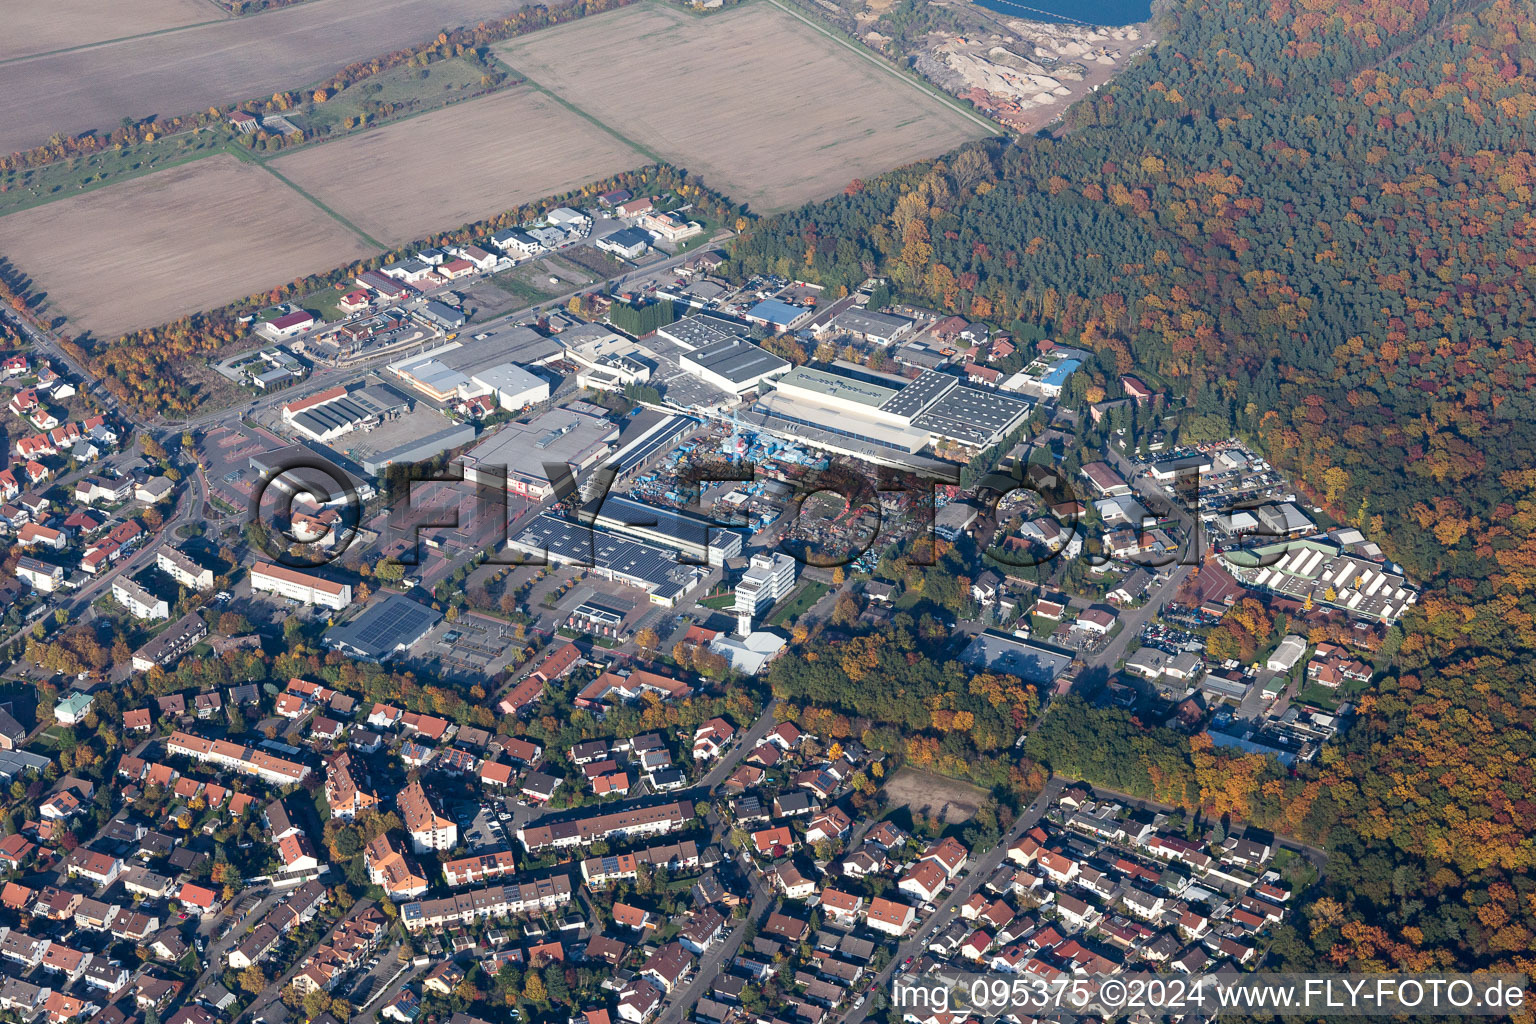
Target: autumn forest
(1314,220)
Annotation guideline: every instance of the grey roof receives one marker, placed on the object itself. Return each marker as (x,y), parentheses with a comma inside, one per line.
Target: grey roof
(384,628)
(629,237)
(617,513)
(1030,661)
(10,727)
(703,329)
(973,416)
(654,568)
(443,313)
(339,414)
(921,393)
(737,360)
(868,322)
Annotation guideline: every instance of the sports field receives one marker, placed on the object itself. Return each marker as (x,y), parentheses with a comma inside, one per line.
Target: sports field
(59,24)
(175,242)
(466,162)
(773,124)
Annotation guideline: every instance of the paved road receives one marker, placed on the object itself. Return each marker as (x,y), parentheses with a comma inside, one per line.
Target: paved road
(324,375)
(745,744)
(979,872)
(1316,854)
(524,817)
(219,948)
(709,966)
(274,989)
(1132,621)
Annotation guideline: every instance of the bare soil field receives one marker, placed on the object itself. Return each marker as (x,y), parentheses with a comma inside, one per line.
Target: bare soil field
(190,69)
(934,795)
(463,163)
(170,243)
(32,27)
(772,125)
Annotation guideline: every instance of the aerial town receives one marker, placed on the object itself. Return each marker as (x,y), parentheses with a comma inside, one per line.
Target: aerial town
(380,753)
(875,494)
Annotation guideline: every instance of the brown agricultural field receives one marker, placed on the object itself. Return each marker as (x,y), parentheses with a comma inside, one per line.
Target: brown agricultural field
(32,27)
(182,71)
(463,163)
(765,108)
(170,243)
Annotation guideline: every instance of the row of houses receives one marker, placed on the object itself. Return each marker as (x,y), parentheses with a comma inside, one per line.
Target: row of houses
(276,771)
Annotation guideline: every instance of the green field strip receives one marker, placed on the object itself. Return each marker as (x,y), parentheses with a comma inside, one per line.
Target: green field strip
(116,179)
(338,218)
(592,119)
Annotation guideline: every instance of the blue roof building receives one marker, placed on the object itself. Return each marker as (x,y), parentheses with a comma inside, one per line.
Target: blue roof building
(1056,377)
(779,315)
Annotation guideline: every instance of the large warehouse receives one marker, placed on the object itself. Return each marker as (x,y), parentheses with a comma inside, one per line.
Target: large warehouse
(701,541)
(335,412)
(514,387)
(653,569)
(887,413)
(298,469)
(734,365)
(576,437)
(391,624)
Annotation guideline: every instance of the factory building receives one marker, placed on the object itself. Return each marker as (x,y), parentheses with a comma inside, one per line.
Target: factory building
(532,454)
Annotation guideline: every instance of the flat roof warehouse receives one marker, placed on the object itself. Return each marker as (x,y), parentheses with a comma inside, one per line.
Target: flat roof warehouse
(903,417)
(387,626)
(568,436)
(653,569)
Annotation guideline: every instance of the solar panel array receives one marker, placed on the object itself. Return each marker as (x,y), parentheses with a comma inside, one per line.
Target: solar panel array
(385,627)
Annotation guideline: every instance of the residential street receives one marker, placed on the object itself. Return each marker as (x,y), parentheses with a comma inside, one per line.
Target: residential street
(977,872)
(720,954)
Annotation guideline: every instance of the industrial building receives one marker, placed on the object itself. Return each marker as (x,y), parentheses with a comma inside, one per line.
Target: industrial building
(901,417)
(652,569)
(734,365)
(514,387)
(335,412)
(649,441)
(300,586)
(440,314)
(1031,662)
(416,436)
(608,361)
(437,380)
(391,624)
(701,330)
(297,469)
(778,315)
(866,325)
(700,541)
(532,453)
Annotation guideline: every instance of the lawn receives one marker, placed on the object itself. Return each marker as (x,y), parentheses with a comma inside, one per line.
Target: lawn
(395,93)
(25,187)
(1322,696)
(324,303)
(720,602)
(799,603)
(515,286)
